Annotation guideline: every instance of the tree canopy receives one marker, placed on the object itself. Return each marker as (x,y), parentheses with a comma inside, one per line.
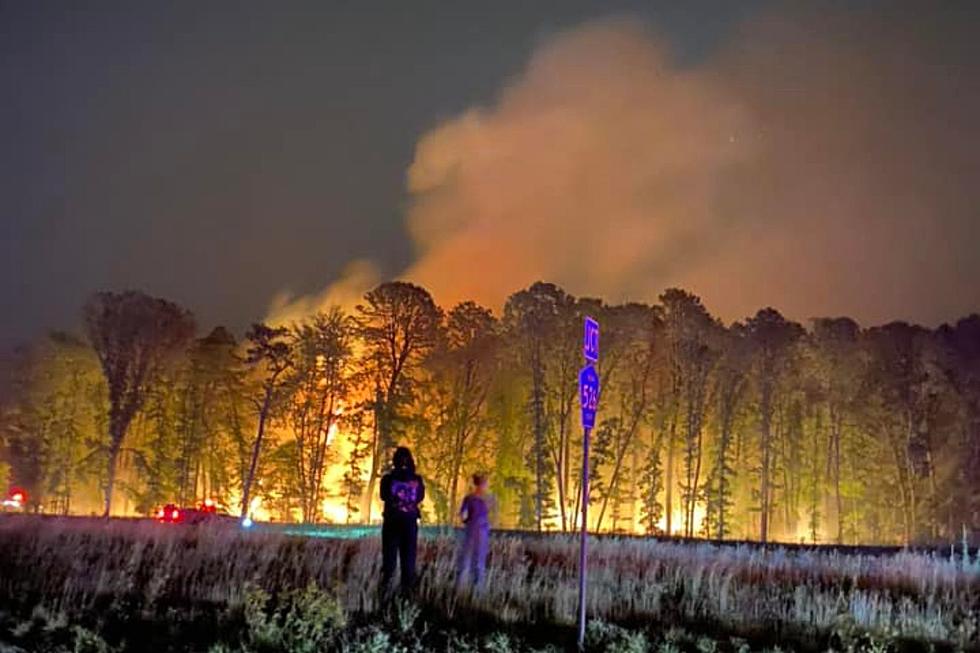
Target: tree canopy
(762,429)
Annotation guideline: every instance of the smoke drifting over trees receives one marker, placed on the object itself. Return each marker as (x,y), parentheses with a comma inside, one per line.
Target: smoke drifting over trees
(817,163)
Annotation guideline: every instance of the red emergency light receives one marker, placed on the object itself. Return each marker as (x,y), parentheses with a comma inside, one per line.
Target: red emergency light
(169,514)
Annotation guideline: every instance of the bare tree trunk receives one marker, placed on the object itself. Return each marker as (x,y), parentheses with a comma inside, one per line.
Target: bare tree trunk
(560,482)
(538,412)
(197,480)
(729,398)
(910,476)
(562,471)
(669,478)
(256,448)
(376,448)
(722,480)
(114,448)
(453,489)
(697,479)
(836,425)
(766,458)
(687,491)
(368,500)
(69,466)
(567,523)
(903,490)
(456,470)
(933,509)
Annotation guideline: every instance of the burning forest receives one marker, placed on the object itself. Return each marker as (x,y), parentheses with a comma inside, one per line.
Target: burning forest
(760,429)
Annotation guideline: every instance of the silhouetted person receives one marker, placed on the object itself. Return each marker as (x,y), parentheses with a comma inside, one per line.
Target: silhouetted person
(475,513)
(402,490)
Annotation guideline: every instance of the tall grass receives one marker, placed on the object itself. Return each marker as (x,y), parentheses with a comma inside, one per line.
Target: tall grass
(79,566)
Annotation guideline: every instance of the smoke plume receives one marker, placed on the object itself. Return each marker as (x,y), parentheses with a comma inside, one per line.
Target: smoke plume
(821,164)
(359,276)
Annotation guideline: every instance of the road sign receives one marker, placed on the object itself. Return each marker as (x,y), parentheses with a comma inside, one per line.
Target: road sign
(588,392)
(590,345)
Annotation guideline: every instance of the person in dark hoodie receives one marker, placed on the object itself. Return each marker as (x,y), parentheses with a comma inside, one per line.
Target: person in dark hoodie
(402,490)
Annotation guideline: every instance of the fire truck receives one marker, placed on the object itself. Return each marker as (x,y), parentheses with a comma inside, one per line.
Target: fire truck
(205,513)
(15,500)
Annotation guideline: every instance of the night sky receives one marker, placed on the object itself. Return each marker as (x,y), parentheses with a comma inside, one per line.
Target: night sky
(219,154)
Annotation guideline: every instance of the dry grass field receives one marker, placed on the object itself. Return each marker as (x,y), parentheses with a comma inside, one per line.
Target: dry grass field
(92,585)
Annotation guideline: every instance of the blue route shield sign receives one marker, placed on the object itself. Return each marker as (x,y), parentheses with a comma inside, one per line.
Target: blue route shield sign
(590,343)
(588,392)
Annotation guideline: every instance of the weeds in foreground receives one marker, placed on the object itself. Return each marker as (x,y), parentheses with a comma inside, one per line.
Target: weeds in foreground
(261,593)
(318,626)
(610,638)
(305,621)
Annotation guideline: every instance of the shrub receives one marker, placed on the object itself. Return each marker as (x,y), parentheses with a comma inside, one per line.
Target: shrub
(305,621)
(602,637)
(499,643)
(371,640)
(88,642)
(406,614)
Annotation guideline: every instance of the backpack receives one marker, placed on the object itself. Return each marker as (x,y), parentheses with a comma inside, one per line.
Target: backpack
(405,495)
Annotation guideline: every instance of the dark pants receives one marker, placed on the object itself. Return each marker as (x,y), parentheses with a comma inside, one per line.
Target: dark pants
(399,541)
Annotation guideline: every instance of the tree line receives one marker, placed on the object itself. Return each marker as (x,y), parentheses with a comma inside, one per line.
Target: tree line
(763,429)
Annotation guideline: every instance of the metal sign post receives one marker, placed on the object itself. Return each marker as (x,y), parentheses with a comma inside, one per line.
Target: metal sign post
(588,389)
(583,545)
